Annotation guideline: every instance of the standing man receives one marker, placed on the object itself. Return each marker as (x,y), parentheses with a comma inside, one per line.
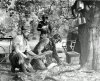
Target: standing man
(20,51)
(45,30)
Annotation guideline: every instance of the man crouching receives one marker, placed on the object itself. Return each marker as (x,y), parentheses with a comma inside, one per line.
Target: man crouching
(21,51)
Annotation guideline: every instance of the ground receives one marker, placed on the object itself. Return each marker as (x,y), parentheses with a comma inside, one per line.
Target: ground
(57,73)
(64,72)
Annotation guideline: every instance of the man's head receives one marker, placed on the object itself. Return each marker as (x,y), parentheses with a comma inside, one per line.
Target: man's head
(25,31)
(57,38)
(44,17)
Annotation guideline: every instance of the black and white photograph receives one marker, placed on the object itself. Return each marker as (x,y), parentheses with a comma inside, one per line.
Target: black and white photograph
(49,40)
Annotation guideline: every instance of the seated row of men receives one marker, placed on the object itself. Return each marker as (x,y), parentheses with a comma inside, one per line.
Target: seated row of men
(21,52)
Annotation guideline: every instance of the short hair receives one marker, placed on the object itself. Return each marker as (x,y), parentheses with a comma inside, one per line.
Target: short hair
(44,17)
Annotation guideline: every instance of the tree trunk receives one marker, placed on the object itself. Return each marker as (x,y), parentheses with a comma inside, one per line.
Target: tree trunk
(90,39)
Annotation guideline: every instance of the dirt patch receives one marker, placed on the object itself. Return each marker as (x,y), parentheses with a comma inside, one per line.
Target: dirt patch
(63,72)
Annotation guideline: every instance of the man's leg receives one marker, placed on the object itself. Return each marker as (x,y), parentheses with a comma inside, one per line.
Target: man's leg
(12,69)
(42,44)
(28,66)
(54,55)
(12,62)
(15,59)
(30,69)
(37,63)
(56,58)
(48,59)
(22,67)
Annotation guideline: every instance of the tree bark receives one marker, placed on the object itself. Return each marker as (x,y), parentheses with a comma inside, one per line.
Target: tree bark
(90,39)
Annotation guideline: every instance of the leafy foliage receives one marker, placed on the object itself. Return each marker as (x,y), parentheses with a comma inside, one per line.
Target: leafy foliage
(28,13)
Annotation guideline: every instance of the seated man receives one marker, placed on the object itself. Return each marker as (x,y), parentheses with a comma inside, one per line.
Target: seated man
(20,52)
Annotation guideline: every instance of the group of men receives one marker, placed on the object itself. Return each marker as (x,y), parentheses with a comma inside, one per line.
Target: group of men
(21,51)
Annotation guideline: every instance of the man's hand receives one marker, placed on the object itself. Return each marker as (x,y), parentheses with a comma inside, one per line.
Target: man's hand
(38,56)
(35,56)
(41,56)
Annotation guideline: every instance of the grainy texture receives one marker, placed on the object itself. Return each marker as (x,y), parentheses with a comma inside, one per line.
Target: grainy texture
(64,72)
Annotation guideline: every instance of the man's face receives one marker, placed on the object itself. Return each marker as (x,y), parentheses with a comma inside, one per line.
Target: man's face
(26,33)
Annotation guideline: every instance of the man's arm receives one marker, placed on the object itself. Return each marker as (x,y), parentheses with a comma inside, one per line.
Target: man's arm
(19,52)
(30,52)
(34,55)
(41,55)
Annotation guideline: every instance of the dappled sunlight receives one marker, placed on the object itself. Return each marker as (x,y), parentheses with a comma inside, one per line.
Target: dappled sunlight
(28,13)
(5,20)
(3,15)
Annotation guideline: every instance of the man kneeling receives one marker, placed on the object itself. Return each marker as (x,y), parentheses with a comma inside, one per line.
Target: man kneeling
(21,51)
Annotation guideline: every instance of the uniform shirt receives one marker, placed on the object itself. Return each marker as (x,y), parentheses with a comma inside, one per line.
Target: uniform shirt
(21,43)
